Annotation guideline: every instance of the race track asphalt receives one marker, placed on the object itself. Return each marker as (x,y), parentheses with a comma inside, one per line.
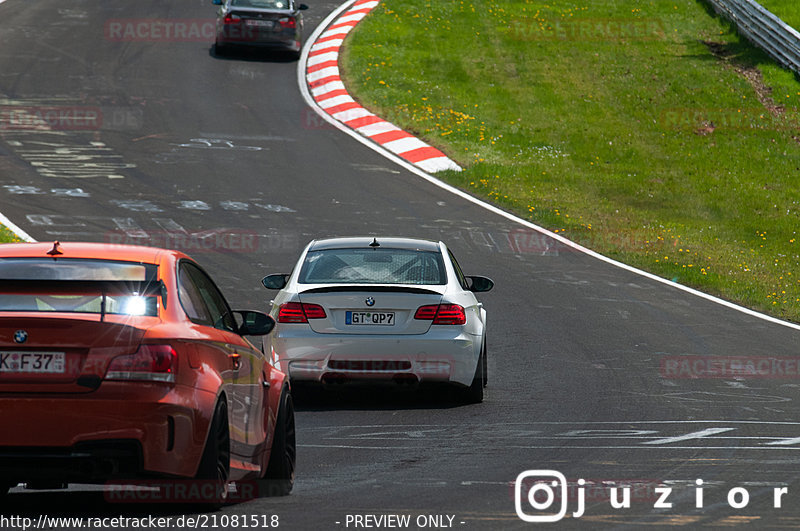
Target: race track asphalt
(195,148)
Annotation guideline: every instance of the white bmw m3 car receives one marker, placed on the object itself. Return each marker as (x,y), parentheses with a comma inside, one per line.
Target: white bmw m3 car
(380,309)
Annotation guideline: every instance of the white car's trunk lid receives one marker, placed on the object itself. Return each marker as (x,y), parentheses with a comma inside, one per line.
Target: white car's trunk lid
(371,309)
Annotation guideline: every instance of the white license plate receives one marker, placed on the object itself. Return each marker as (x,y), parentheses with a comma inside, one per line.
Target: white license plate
(260,23)
(369,318)
(25,362)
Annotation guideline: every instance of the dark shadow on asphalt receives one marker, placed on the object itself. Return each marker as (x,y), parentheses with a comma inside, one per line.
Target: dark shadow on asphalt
(382,397)
(86,504)
(252,55)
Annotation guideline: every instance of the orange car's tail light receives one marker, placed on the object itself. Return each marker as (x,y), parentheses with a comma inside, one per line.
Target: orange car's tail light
(442,314)
(151,362)
(297,312)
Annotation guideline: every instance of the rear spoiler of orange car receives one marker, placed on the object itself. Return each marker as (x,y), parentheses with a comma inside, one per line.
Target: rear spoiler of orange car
(85,287)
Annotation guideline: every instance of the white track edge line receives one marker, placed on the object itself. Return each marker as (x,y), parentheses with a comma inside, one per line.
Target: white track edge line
(491,208)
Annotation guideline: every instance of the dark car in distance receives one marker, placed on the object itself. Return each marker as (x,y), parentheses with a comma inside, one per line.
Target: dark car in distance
(270,24)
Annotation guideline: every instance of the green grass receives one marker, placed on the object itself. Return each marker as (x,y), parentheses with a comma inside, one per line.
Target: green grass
(637,142)
(787,10)
(6,236)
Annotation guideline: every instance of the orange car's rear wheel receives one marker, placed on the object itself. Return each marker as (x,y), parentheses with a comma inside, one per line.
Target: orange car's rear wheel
(278,479)
(215,465)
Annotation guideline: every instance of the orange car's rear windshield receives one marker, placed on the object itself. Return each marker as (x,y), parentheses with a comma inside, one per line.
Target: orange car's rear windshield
(78,286)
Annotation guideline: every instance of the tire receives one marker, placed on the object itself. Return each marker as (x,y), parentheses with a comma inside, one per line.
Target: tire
(474,393)
(278,478)
(215,464)
(220,50)
(485,366)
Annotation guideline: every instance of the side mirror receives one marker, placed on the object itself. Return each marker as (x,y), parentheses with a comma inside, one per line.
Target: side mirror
(254,323)
(478,284)
(277,281)
(303,7)
(216,2)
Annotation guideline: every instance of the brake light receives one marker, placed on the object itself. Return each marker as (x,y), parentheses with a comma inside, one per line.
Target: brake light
(288,23)
(442,314)
(426,313)
(297,312)
(314,311)
(232,19)
(151,362)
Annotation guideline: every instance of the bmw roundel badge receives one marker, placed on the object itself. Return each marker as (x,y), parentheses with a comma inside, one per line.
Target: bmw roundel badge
(370,301)
(20,336)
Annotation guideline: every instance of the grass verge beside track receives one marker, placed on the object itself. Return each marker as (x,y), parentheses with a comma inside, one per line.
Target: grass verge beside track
(787,10)
(7,236)
(645,130)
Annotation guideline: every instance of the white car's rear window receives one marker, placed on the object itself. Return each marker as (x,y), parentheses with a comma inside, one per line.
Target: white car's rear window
(373,266)
(261,4)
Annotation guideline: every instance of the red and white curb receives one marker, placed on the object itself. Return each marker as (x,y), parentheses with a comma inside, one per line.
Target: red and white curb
(328,91)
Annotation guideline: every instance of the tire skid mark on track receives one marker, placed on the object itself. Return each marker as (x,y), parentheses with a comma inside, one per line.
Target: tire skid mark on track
(328,91)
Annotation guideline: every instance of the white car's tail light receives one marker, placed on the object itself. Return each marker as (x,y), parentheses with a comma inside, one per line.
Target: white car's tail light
(297,312)
(442,314)
(151,362)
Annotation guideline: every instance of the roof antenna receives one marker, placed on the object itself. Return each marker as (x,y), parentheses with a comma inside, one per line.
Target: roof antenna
(55,251)
(374,243)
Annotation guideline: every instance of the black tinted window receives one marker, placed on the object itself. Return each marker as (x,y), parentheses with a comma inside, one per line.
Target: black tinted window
(191,300)
(373,266)
(461,278)
(204,298)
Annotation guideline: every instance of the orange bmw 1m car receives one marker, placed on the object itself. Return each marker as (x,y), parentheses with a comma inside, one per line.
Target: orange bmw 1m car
(124,363)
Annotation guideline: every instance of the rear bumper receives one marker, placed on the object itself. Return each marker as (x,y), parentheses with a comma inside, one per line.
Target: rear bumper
(444,355)
(279,41)
(89,462)
(122,430)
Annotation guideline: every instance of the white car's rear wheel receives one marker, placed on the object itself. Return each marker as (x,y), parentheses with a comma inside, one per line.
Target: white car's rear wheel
(474,393)
(485,366)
